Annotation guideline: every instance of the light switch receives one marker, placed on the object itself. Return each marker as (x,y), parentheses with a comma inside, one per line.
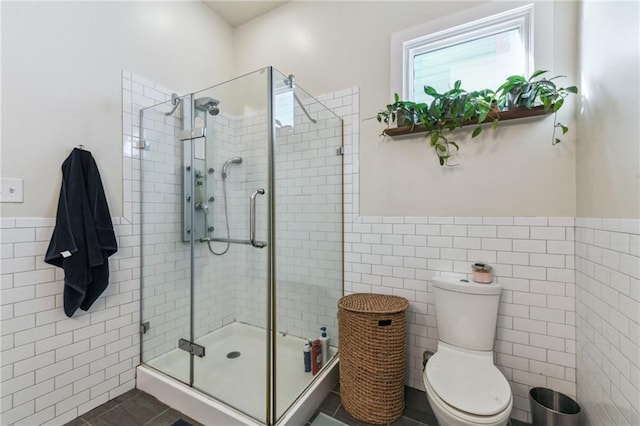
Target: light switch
(11,190)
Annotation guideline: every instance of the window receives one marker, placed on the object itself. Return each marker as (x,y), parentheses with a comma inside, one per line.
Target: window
(481,54)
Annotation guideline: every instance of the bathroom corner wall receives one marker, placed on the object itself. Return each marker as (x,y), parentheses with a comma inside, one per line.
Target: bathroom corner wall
(608,151)
(608,311)
(70,68)
(608,210)
(534,262)
(401,176)
(55,368)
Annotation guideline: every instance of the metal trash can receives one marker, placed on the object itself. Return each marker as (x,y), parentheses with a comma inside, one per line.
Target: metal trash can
(551,408)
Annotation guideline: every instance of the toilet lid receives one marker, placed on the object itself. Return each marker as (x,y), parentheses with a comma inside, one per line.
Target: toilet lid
(468,383)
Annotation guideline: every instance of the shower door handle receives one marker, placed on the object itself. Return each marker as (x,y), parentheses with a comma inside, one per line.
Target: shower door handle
(252,219)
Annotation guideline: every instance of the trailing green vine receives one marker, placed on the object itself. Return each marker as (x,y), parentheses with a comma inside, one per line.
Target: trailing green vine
(457,107)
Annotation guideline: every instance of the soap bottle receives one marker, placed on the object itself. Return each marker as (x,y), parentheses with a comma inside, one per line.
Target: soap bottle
(316,357)
(324,343)
(307,357)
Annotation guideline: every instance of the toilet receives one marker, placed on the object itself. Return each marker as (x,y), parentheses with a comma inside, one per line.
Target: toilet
(463,385)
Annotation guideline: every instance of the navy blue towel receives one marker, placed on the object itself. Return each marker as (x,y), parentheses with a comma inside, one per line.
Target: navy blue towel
(83,237)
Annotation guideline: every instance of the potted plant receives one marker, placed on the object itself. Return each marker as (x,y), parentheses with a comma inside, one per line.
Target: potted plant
(457,107)
(453,109)
(520,92)
(402,113)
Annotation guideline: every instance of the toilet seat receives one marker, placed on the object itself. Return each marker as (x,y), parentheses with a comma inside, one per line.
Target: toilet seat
(467,381)
(448,415)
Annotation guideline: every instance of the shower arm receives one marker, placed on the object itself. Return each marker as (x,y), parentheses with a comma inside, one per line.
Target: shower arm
(290,81)
(176,101)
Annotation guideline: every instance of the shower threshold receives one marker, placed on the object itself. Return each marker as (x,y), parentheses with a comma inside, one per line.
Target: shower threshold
(233,372)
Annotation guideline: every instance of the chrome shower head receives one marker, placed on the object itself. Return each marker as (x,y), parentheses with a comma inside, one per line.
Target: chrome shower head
(207,104)
(234,160)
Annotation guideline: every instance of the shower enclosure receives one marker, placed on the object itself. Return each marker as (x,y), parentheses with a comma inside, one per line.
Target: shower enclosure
(242,251)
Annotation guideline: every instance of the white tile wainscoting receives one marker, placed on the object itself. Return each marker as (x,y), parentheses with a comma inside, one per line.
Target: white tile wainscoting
(608,323)
(55,368)
(533,260)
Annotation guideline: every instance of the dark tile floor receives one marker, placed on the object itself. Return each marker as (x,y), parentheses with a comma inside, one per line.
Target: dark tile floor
(417,411)
(137,408)
(133,408)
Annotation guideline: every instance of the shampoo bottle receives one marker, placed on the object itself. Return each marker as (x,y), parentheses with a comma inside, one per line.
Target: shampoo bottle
(307,357)
(324,343)
(316,356)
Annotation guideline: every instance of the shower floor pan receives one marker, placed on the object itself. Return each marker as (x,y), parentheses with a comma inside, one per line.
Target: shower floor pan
(234,371)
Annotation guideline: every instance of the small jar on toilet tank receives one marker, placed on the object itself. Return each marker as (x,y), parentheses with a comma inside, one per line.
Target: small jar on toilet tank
(481,273)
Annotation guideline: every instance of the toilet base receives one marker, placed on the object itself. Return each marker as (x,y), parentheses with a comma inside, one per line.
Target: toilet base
(448,416)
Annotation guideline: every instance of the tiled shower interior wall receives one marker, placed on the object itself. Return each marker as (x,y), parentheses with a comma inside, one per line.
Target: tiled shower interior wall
(608,310)
(308,222)
(232,287)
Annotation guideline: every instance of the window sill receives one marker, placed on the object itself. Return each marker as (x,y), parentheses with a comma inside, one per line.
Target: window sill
(512,114)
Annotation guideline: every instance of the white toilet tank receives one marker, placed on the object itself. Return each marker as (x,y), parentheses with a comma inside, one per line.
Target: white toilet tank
(466,313)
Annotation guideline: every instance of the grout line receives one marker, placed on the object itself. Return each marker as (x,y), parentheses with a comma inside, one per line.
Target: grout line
(110,409)
(161,413)
(337,409)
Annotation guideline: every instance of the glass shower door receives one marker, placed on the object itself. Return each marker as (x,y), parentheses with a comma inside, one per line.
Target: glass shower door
(308,223)
(230,248)
(166,268)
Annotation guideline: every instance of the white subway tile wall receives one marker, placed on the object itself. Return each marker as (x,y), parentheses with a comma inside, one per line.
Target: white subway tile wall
(535,342)
(53,367)
(608,319)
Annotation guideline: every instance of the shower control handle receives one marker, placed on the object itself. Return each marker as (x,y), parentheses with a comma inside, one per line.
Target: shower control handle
(252,219)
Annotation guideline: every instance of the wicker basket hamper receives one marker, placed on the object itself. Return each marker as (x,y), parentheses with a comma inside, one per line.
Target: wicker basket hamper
(372,331)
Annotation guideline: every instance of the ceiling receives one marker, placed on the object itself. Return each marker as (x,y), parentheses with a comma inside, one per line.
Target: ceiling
(238,12)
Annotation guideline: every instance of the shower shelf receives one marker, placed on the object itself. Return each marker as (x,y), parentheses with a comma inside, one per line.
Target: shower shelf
(512,114)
